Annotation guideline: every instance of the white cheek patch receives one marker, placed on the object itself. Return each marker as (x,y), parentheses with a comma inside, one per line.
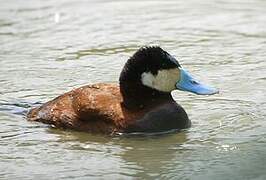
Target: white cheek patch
(164,81)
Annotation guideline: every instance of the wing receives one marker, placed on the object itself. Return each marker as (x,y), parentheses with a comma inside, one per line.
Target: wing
(99,104)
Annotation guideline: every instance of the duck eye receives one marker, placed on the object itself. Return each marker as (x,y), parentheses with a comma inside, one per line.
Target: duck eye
(194,82)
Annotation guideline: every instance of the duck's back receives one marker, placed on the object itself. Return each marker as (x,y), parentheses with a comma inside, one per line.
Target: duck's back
(91,108)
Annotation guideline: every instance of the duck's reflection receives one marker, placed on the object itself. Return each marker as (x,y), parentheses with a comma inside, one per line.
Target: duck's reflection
(152,155)
(139,156)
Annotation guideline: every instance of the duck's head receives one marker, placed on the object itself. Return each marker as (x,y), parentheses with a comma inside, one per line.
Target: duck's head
(156,69)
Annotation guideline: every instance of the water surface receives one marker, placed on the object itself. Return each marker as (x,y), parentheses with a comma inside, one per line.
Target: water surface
(50,47)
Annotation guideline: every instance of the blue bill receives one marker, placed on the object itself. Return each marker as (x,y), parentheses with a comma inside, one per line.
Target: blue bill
(188,83)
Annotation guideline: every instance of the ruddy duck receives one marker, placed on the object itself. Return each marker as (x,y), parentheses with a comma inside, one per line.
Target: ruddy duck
(141,102)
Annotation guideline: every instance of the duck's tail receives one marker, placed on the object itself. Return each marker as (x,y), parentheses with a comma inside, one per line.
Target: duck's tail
(32,115)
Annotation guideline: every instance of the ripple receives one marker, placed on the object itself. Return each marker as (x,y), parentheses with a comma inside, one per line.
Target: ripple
(18,108)
(9,135)
(104,51)
(5,23)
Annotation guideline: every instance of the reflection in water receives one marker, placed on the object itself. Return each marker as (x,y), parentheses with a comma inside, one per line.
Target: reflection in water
(152,155)
(50,47)
(145,155)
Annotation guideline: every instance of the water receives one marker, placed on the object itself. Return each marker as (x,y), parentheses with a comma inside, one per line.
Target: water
(50,47)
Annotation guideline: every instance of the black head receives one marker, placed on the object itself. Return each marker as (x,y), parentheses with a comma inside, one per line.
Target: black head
(150,73)
(148,59)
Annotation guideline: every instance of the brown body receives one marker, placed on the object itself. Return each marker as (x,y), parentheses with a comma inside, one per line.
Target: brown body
(99,109)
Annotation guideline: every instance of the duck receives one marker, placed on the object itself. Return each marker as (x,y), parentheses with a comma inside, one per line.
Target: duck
(140,103)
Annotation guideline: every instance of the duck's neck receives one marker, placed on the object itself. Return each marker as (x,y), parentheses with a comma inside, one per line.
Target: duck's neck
(137,96)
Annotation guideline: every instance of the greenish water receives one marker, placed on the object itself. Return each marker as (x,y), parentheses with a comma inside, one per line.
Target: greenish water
(50,47)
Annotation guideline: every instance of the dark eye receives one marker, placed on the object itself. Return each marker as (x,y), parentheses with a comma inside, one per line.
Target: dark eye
(194,82)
